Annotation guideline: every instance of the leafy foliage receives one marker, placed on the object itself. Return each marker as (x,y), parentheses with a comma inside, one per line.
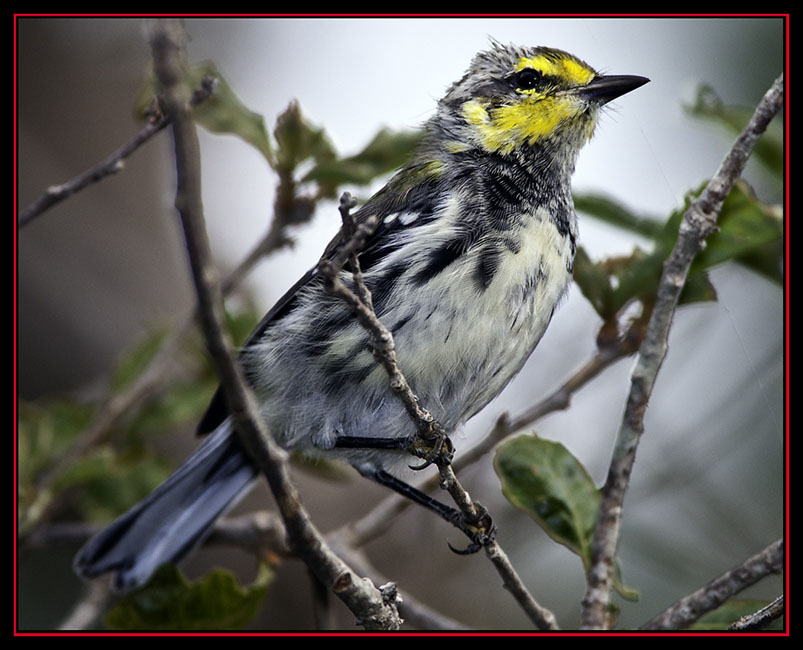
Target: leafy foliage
(387,151)
(542,478)
(122,468)
(222,112)
(170,602)
(750,233)
(298,140)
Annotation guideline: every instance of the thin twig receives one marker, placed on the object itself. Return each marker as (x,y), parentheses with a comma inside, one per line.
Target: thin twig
(561,398)
(699,221)
(111,165)
(414,612)
(259,532)
(380,518)
(374,608)
(710,596)
(762,618)
(381,338)
(429,430)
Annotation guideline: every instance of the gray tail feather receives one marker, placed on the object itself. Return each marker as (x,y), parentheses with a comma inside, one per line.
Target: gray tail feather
(169,523)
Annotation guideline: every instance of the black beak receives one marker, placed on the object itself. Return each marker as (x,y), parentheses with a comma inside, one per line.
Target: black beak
(603,89)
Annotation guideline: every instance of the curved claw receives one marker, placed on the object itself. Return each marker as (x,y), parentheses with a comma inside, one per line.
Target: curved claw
(469,550)
(427,462)
(480,533)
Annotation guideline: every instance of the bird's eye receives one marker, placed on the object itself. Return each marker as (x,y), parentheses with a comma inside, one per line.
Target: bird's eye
(527,79)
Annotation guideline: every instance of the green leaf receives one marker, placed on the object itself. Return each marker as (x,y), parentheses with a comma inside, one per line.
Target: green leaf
(45,430)
(221,112)
(750,233)
(634,277)
(612,212)
(698,288)
(298,140)
(544,480)
(170,602)
(610,284)
(112,481)
(386,152)
(594,283)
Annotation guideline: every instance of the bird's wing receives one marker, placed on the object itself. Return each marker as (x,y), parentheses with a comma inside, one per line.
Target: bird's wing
(389,205)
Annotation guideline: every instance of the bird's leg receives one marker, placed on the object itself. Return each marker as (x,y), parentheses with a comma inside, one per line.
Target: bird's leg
(480,533)
(437,449)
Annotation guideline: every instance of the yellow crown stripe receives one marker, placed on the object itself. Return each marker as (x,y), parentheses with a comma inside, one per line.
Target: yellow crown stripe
(571,70)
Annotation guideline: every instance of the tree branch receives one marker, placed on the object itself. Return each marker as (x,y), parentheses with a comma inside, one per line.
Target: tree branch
(380,518)
(374,608)
(111,165)
(698,223)
(710,596)
(257,532)
(151,380)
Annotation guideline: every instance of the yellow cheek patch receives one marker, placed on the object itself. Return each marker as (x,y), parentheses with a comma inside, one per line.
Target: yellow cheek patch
(571,70)
(506,127)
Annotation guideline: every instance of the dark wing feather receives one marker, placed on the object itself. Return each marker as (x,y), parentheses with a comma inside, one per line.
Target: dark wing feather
(218,410)
(394,197)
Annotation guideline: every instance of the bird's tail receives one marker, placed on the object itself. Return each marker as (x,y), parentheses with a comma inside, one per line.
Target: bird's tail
(169,523)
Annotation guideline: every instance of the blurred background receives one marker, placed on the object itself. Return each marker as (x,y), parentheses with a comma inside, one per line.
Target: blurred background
(104,268)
